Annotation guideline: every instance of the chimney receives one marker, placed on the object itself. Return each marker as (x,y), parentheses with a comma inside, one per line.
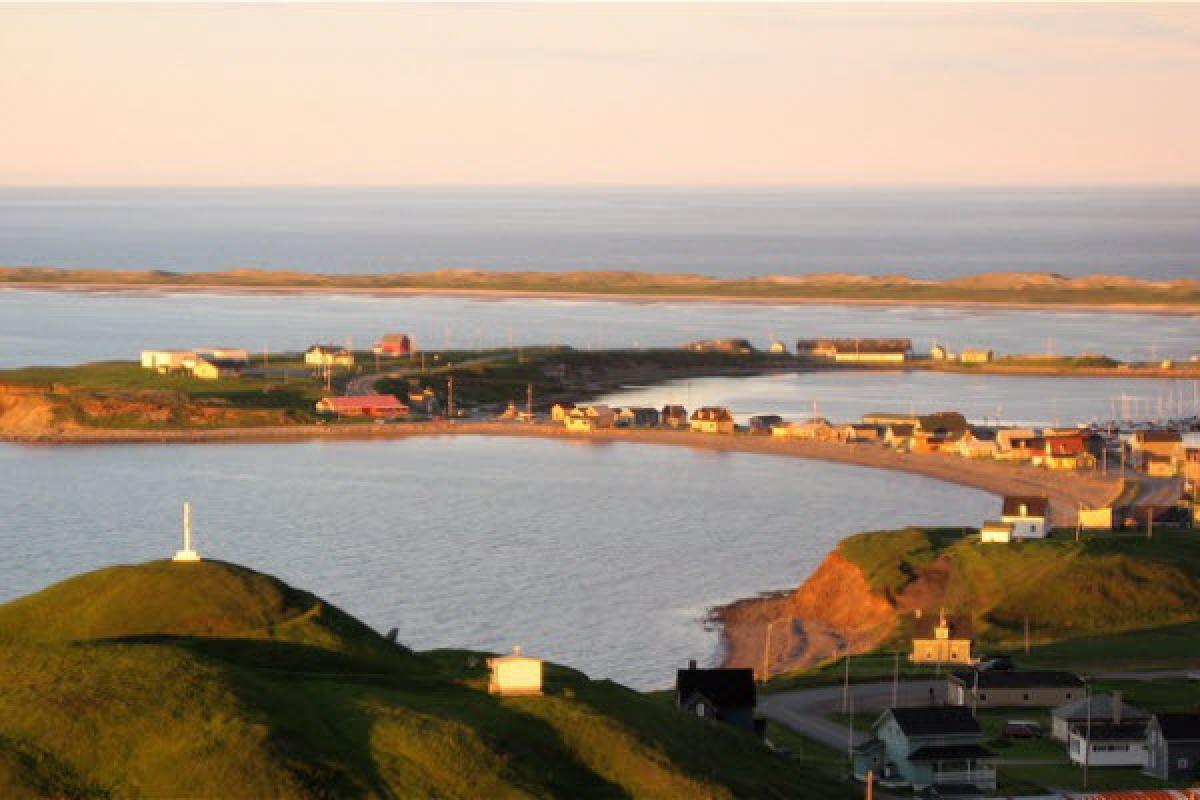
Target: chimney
(1116,707)
(692,664)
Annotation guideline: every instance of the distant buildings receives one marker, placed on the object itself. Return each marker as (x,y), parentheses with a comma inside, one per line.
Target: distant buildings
(211,369)
(674,416)
(328,355)
(994,532)
(589,418)
(394,345)
(731,346)
(861,351)
(712,419)
(515,674)
(205,363)
(636,417)
(366,405)
(163,361)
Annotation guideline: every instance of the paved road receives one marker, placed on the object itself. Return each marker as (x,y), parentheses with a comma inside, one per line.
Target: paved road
(804,710)
(365,384)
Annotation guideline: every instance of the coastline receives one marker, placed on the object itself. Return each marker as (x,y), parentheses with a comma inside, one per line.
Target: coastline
(1066,490)
(1160,309)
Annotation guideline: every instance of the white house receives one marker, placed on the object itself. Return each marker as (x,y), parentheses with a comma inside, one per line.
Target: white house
(1113,744)
(1027,515)
(996,532)
(167,360)
(515,674)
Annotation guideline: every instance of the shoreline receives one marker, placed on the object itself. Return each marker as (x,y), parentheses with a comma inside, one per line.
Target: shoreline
(1066,489)
(1158,309)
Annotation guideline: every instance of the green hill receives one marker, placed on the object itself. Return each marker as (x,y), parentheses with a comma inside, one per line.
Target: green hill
(1103,584)
(212,680)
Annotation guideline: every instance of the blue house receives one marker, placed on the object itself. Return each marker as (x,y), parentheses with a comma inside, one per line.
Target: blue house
(924,747)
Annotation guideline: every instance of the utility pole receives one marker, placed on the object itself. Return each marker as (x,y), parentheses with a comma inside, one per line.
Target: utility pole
(529,401)
(766,654)
(1087,745)
(1149,522)
(1078,521)
(895,681)
(1026,634)
(846,684)
(449,396)
(870,784)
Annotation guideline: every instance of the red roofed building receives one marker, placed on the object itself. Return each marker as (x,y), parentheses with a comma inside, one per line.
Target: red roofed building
(1066,452)
(394,344)
(363,405)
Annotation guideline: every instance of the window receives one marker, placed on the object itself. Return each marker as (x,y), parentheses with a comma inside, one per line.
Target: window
(699,709)
(1025,697)
(1182,763)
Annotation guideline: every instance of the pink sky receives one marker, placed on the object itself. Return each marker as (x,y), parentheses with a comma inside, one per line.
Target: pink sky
(699,94)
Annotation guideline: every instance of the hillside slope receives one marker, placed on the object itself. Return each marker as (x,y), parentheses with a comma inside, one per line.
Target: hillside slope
(212,680)
(878,589)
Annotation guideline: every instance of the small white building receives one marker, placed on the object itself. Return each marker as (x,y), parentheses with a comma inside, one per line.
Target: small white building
(515,674)
(1108,745)
(1027,515)
(996,533)
(168,360)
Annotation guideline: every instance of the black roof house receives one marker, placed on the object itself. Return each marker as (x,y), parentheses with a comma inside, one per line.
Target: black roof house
(936,720)
(724,688)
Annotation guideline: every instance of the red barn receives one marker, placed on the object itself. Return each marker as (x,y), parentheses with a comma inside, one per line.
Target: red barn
(394,344)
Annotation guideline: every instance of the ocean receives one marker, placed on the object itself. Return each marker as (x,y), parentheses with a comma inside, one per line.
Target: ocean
(728,232)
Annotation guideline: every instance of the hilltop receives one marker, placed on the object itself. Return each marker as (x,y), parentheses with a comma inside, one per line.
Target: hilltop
(1002,288)
(869,591)
(213,680)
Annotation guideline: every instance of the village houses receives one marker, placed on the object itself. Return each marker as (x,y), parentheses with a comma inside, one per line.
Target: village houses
(515,674)
(726,695)
(942,648)
(589,418)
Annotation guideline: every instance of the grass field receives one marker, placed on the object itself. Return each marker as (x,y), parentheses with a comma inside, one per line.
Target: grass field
(211,680)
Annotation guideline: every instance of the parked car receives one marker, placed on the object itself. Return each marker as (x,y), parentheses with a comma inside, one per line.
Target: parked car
(1022,729)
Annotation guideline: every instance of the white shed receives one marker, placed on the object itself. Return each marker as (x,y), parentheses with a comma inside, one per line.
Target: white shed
(515,674)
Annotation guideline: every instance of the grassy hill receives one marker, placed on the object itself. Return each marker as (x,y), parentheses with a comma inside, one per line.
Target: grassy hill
(1102,585)
(212,680)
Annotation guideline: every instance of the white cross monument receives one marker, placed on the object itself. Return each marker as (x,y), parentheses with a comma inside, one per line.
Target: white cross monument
(187,553)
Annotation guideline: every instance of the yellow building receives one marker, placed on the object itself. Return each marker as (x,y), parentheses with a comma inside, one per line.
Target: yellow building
(515,674)
(976,356)
(941,649)
(163,361)
(211,369)
(712,419)
(996,532)
(328,355)
(589,418)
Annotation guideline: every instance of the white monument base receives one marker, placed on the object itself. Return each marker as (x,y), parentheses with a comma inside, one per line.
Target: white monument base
(186,555)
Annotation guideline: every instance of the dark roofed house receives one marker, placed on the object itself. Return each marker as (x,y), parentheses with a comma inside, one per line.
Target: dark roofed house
(1104,709)
(674,416)
(1029,516)
(1173,746)
(1013,688)
(1109,744)
(725,695)
(927,747)
(762,423)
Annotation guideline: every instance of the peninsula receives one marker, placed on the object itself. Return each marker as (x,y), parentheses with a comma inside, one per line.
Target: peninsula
(1003,289)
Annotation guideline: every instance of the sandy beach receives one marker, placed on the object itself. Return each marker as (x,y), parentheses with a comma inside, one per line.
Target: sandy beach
(1067,490)
(616,297)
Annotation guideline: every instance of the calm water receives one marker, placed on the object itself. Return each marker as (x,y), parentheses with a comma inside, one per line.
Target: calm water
(729,232)
(66,328)
(1013,400)
(601,556)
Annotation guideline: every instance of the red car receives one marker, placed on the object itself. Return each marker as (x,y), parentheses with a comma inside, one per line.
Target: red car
(1021,729)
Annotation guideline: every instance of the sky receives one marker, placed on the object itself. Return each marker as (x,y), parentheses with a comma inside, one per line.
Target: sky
(372,94)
